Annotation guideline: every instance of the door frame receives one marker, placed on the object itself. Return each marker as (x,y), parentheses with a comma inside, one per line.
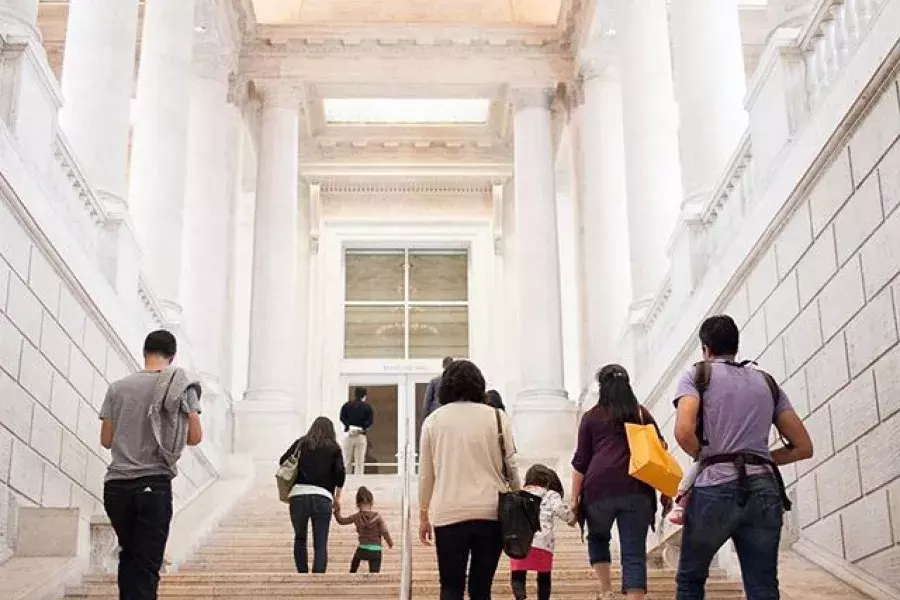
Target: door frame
(406,398)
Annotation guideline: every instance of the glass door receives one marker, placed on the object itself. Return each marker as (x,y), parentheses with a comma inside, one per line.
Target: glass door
(397,403)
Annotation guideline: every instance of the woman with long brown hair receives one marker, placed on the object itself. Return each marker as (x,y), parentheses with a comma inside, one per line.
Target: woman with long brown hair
(316,492)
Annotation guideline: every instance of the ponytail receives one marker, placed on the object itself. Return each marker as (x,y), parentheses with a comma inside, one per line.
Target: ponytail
(617,396)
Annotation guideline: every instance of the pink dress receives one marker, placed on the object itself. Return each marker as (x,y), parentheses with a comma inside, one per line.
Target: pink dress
(540,558)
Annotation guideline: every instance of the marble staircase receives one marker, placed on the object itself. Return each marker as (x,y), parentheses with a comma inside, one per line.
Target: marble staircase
(249,556)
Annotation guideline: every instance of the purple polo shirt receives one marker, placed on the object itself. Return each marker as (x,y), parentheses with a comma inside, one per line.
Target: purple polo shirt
(738,411)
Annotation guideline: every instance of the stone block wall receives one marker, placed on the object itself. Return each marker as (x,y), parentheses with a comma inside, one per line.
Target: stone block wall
(56,361)
(820,311)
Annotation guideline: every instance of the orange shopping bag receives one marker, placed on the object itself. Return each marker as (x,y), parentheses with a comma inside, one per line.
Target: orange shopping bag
(650,461)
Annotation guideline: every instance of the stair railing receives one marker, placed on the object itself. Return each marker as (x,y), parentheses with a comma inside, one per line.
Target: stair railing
(407,465)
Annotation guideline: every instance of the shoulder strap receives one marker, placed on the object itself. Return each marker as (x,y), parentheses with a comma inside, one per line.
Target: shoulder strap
(504,468)
(702,374)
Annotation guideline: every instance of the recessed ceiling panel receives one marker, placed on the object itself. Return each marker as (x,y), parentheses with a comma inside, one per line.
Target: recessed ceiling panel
(471,12)
(406,111)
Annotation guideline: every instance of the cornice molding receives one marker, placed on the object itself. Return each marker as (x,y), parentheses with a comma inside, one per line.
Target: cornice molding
(411,185)
(335,62)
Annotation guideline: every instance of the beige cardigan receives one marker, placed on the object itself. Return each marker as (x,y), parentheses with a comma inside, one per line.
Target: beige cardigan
(460,466)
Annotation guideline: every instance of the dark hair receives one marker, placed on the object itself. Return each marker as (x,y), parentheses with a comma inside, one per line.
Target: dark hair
(360,393)
(545,477)
(493,398)
(461,381)
(616,394)
(320,435)
(447,361)
(364,497)
(161,343)
(720,335)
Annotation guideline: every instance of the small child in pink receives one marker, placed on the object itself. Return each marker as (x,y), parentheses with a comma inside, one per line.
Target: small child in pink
(544,482)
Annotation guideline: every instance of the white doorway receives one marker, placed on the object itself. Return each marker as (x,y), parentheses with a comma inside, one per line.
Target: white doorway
(397,401)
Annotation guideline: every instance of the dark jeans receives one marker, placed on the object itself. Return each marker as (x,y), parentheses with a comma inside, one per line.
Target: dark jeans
(480,540)
(713,516)
(315,508)
(519,580)
(140,511)
(373,557)
(632,514)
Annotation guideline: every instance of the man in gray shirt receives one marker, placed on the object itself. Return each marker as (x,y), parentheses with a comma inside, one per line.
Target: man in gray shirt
(138,490)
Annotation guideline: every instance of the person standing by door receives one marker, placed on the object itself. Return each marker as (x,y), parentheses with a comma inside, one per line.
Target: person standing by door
(357,417)
(432,392)
(147,419)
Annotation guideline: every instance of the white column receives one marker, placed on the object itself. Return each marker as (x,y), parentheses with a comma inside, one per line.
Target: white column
(651,141)
(604,218)
(159,146)
(210,198)
(542,411)
(269,414)
(710,83)
(98,84)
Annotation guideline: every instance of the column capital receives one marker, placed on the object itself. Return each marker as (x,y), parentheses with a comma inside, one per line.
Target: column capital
(541,97)
(278,94)
(214,61)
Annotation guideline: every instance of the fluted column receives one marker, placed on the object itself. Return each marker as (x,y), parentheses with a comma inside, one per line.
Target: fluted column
(210,197)
(604,217)
(710,83)
(98,84)
(270,414)
(159,146)
(542,413)
(650,119)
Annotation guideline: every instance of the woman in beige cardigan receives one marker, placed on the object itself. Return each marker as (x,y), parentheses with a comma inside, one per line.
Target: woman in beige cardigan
(460,476)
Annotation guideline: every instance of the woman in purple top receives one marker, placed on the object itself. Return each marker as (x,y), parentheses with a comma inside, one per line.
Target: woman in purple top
(602,490)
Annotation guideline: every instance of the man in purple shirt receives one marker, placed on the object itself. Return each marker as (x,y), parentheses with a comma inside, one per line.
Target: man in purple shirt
(738,410)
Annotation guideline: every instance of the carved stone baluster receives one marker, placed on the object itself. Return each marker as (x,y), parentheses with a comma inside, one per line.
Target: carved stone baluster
(814,72)
(866,11)
(840,39)
(826,48)
(852,24)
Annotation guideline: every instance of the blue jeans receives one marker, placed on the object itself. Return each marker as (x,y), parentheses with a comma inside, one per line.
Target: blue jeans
(315,508)
(713,516)
(633,514)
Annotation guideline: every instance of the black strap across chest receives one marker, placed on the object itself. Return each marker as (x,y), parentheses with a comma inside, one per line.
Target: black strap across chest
(740,460)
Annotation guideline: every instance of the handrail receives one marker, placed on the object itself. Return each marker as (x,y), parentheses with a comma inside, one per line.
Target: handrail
(407,464)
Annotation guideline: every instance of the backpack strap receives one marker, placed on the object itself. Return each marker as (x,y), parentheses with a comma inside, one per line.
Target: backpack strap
(701,376)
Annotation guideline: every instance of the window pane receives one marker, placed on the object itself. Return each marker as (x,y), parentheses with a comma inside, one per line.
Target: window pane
(438,277)
(373,332)
(438,331)
(374,277)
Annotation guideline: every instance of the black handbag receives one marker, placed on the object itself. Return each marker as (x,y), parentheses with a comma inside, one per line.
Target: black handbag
(519,512)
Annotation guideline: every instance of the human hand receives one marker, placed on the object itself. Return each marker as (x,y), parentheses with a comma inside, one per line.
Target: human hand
(666,503)
(426,531)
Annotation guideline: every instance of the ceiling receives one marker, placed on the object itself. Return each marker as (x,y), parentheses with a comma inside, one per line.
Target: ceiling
(469,12)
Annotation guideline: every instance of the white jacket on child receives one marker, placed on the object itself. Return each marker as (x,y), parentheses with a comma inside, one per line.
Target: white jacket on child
(552,507)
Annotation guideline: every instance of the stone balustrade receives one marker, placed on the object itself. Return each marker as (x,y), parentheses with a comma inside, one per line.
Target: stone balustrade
(796,71)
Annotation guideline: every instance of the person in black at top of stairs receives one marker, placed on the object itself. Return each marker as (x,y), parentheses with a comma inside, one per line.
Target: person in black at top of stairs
(357,417)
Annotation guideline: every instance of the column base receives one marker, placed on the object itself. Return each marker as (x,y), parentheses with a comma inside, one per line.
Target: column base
(264,430)
(546,429)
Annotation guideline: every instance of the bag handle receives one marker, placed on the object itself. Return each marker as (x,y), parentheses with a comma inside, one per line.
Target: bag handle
(503,466)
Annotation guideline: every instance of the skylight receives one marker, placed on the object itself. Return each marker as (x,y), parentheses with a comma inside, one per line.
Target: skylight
(406,110)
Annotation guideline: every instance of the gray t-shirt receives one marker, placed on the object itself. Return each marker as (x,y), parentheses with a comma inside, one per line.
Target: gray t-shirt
(135,451)
(738,411)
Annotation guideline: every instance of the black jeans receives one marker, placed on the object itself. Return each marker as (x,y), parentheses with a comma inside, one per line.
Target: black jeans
(519,580)
(140,511)
(373,557)
(317,509)
(480,540)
